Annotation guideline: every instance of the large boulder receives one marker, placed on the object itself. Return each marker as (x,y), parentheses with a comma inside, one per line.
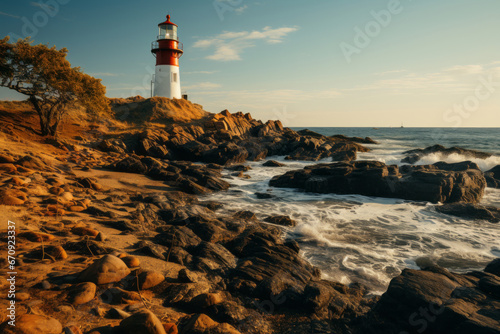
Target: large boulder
(108,269)
(31,324)
(142,322)
(437,301)
(373,178)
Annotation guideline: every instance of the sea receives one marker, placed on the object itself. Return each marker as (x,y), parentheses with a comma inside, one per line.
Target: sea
(370,240)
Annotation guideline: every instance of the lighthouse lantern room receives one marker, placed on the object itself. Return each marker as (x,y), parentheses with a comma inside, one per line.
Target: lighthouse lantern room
(167,51)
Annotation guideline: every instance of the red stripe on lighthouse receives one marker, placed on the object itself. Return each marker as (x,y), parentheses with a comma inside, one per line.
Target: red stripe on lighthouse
(168,52)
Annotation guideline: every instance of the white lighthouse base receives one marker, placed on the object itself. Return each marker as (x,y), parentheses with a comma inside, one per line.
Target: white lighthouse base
(167,82)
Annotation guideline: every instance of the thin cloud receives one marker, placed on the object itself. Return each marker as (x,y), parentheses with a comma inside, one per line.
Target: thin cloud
(200,72)
(228,46)
(455,79)
(10,15)
(241,9)
(276,95)
(42,5)
(203,86)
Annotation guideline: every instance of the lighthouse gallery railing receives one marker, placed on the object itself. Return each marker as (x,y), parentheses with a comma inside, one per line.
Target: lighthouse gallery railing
(155,46)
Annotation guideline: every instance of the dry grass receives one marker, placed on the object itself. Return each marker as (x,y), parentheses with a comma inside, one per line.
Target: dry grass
(160,110)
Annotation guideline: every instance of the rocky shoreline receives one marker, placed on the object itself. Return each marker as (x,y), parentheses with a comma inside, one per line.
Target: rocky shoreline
(116,237)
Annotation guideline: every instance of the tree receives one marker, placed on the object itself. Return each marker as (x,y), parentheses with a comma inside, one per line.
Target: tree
(51,84)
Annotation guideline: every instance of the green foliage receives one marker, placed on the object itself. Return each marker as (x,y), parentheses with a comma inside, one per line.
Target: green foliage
(46,76)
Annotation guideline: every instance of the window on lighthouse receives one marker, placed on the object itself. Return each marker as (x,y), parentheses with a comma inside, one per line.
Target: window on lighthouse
(168,31)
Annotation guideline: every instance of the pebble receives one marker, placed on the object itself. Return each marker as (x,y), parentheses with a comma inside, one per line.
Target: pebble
(116,313)
(82,293)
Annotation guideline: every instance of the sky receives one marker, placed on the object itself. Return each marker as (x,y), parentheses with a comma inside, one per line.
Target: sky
(336,63)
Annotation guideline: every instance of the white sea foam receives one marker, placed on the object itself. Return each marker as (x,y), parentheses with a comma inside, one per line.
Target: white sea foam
(484,164)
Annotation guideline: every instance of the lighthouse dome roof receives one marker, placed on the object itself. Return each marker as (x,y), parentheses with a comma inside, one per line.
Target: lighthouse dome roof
(168,22)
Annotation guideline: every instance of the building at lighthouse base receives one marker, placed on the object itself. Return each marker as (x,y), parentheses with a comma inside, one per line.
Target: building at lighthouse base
(167,81)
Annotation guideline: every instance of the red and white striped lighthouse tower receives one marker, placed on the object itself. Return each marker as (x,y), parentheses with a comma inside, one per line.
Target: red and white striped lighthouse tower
(167,50)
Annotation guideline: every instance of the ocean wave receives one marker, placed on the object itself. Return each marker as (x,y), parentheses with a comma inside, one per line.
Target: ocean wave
(484,164)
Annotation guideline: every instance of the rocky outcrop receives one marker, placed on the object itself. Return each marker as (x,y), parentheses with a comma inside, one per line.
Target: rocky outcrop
(227,139)
(414,156)
(359,140)
(471,211)
(372,178)
(186,176)
(433,300)
(493,177)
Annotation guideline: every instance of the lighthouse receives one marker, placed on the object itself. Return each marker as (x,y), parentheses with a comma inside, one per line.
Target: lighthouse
(167,50)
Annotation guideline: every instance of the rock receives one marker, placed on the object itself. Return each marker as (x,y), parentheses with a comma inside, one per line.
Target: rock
(213,256)
(264,195)
(8,168)
(186,276)
(437,301)
(108,269)
(239,168)
(116,313)
(31,324)
(490,285)
(120,296)
(150,279)
(493,177)
(457,167)
(33,163)
(206,300)
(373,178)
(226,154)
(272,163)
(151,249)
(182,294)
(171,328)
(266,267)
(245,215)
(12,197)
(57,252)
(83,231)
(180,236)
(281,220)
(72,330)
(471,211)
(101,237)
(6,159)
(130,165)
(493,267)
(36,236)
(131,261)
(366,140)
(22,296)
(81,293)
(110,145)
(89,183)
(197,324)
(413,156)
(142,322)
